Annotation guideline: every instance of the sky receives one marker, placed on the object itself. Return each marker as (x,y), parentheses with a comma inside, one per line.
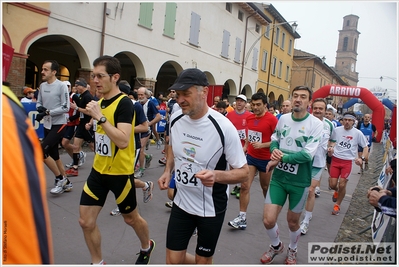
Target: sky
(319,23)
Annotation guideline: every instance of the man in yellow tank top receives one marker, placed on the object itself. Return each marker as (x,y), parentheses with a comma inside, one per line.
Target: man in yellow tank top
(112,167)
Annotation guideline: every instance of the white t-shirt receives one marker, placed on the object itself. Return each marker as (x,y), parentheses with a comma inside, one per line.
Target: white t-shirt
(319,159)
(197,145)
(346,142)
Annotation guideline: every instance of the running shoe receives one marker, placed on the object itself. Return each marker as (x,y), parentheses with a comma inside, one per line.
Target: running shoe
(169,204)
(147,193)
(238,195)
(163,151)
(236,190)
(269,255)
(82,158)
(144,256)
(59,188)
(138,174)
(335,196)
(291,256)
(304,227)
(159,143)
(70,165)
(238,223)
(317,191)
(68,187)
(102,262)
(115,212)
(336,210)
(72,172)
(148,159)
(162,161)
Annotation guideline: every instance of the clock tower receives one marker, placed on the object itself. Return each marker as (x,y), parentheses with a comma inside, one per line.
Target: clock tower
(345,61)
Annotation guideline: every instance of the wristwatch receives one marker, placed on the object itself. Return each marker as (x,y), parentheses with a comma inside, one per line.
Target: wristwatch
(363,158)
(102,120)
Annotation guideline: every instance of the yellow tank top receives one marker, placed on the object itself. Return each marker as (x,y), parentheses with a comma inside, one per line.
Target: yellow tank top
(110,159)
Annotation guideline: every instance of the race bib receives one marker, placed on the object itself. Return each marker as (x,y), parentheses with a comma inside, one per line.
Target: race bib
(185,173)
(103,145)
(254,136)
(47,122)
(241,134)
(287,167)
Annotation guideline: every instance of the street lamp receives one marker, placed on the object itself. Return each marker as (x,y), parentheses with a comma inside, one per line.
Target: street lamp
(245,56)
(382,77)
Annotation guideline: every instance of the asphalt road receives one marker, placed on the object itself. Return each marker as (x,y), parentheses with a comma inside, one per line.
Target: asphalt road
(120,243)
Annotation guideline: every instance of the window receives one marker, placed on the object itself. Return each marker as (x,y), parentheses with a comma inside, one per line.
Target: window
(225,44)
(194,29)
(355,45)
(345,47)
(238,50)
(255,59)
(274,62)
(347,23)
(287,74)
(145,17)
(264,60)
(229,7)
(267,31)
(240,15)
(283,41)
(280,69)
(277,36)
(290,47)
(257,27)
(170,20)
(313,80)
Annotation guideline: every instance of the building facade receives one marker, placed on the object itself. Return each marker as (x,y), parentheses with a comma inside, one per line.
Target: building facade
(153,41)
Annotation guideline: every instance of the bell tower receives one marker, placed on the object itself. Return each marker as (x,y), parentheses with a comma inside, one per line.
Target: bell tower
(345,61)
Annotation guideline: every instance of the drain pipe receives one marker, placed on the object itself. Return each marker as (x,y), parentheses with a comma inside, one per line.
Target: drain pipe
(103,30)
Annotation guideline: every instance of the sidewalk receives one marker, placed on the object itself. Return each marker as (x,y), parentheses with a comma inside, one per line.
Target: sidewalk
(241,247)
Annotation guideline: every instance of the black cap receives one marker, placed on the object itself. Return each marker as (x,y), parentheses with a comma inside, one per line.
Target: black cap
(124,88)
(188,78)
(81,82)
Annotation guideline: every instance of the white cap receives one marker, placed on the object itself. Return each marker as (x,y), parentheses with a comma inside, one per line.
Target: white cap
(67,83)
(243,97)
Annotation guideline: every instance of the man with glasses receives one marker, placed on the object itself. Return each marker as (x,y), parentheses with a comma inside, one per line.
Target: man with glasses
(112,166)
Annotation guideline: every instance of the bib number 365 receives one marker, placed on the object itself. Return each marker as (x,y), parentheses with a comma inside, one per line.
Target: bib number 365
(287,167)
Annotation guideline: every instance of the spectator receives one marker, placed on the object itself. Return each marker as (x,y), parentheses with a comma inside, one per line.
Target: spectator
(29,95)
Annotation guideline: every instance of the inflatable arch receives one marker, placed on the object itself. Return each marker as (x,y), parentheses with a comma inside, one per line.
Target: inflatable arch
(385,101)
(357,92)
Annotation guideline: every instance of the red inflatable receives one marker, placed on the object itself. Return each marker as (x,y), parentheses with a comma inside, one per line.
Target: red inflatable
(358,92)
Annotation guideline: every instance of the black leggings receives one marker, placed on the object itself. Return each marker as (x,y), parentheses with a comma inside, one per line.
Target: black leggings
(51,140)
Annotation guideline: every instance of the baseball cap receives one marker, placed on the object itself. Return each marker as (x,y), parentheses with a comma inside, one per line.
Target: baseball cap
(81,82)
(28,90)
(188,78)
(124,88)
(243,97)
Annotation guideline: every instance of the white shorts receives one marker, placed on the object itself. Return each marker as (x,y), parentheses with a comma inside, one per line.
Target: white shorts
(316,173)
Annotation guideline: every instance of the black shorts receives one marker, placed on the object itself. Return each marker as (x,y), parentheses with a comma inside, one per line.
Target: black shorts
(98,185)
(51,140)
(82,133)
(181,227)
(69,132)
(328,159)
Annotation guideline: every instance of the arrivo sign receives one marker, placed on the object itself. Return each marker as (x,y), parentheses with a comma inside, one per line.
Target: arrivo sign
(345,91)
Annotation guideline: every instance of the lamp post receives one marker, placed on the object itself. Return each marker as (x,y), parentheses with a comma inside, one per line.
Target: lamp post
(245,56)
(382,77)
